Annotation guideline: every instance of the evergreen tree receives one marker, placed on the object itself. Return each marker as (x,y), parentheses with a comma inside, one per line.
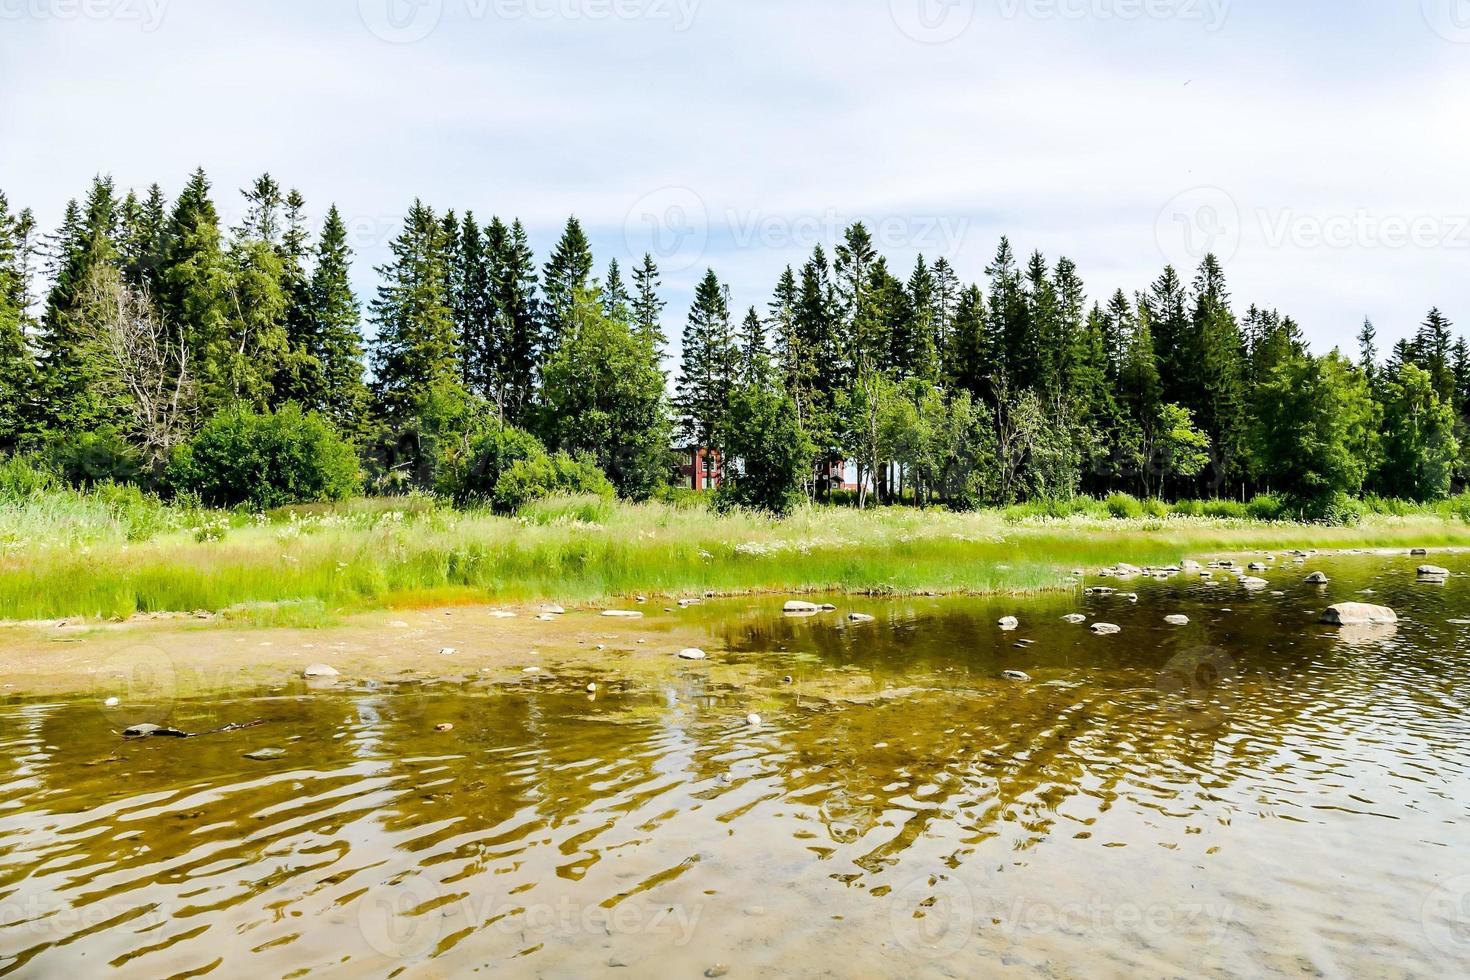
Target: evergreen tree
(1420,450)
(648,307)
(944,302)
(70,363)
(1067,342)
(568,273)
(195,298)
(416,348)
(17,366)
(755,351)
(971,360)
(474,309)
(914,312)
(335,338)
(861,333)
(1166,307)
(1118,326)
(1368,351)
(789,356)
(517,329)
(616,302)
(1009,318)
(1214,375)
(1316,428)
(1433,350)
(708,363)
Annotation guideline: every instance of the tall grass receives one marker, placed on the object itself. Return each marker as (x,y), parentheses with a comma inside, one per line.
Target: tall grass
(110,553)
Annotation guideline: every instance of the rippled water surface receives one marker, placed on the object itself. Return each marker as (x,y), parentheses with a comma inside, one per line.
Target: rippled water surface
(1252,793)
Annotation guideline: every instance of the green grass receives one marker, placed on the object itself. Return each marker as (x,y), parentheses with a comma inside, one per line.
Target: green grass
(111,553)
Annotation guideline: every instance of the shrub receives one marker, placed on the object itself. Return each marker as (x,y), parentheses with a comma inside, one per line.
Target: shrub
(469,468)
(85,459)
(542,476)
(1123,506)
(266,460)
(24,476)
(1153,507)
(1267,507)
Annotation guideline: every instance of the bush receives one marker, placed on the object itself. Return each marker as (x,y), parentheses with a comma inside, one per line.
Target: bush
(266,460)
(24,476)
(85,459)
(1123,506)
(469,468)
(1267,507)
(542,476)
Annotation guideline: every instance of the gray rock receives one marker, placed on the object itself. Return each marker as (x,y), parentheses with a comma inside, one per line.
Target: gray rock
(1433,571)
(266,754)
(1016,675)
(320,670)
(1100,590)
(1419,553)
(693,653)
(860,618)
(1359,614)
(621,614)
(1254,583)
(1076,619)
(553,611)
(1106,629)
(1177,620)
(797,607)
(1009,623)
(1318,578)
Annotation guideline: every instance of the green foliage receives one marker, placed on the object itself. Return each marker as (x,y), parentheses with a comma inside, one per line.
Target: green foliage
(548,475)
(1420,451)
(506,468)
(1315,434)
(1123,506)
(266,460)
(25,476)
(775,454)
(84,459)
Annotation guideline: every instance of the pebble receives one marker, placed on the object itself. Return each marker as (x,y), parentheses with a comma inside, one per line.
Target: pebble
(1016,675)
(444,727)
(753,720)
(112,702)
(693,653)
(1009,623)
(591,688)
(718,970)
(860,618)
(1318,578)
(448,652)
(1106,629)
(1076,619)
(265,755)
(1177,620)
(797,607)
(320,670)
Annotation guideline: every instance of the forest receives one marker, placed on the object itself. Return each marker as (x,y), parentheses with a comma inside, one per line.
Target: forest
(145,343)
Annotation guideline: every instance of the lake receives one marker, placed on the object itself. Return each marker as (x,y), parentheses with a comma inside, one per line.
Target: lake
(1252,793)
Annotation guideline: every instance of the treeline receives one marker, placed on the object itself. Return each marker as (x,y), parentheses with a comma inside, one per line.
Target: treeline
(155,320)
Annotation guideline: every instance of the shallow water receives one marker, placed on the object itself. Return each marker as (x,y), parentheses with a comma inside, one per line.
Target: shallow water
(1252,793)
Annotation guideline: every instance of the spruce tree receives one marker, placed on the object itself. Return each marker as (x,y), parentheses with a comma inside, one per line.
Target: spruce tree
(1009,320)
(195,297)
(1432,347)
(945,297)
(1214,372)
(415,351)
(1368,352)
(616,302)
(17,366)
(336,333)
(568,273)
(648,307)
(755,353)
(520,346)
(971,359)
(1167,308)
(474,309)
(709,363)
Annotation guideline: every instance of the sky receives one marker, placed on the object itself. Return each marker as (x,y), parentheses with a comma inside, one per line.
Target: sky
(1319,147)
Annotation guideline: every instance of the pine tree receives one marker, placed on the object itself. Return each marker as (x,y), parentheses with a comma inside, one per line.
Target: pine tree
(818,325)
(1118,326)
(474,309)
(789,354)
(69,362)
(519,343)
(335,338)
(860,334)
(568,272)
(1432,347)
(254,356)
(971,360)
(1166,305)
(1068,343)
(1009,318)
(195,297)
(616,302)
(1368,352)
(1214,372)
(415,351)
(709,363)
(648,307)
(17,366)
(919,307)
(755,353)
(945,299)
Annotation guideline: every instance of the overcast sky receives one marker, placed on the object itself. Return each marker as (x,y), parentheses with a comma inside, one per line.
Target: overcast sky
(1321,146)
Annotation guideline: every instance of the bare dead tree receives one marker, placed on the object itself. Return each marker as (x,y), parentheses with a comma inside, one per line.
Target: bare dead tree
(145,365)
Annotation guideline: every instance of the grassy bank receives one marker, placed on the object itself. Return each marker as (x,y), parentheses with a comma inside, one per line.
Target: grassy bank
(114,554)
